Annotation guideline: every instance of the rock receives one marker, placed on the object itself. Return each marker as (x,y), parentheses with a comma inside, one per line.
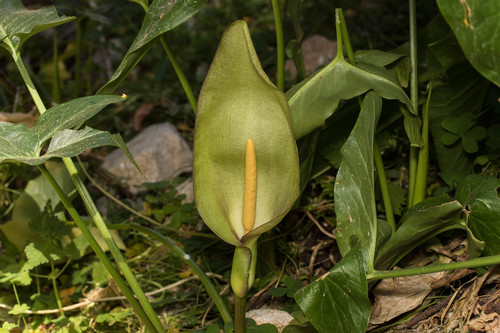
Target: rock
(159,150)
(278,318)
(187,189)
(317,51)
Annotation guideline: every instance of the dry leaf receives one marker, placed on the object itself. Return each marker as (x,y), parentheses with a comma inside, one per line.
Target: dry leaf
(394,297)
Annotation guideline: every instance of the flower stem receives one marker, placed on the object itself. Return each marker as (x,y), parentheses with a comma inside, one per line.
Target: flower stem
(239,314)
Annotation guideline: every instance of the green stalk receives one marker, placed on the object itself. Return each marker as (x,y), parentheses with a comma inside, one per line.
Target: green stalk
(180,74)
(414,98)
(280,44)
(96,216)
(177,68)
(210,288)
(376,151)
(113,248)
(239,314)
(53,278)
(384,188)
(423,154)
(473,263)
(97,248)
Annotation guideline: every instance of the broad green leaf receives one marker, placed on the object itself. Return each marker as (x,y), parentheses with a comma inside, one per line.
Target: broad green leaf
(34,256)
(20,143)
(354,186)
(339,301)
(476,25)
(316,98)
(162,16)
(423,221)
(480,197)
(17,24)
(238,102)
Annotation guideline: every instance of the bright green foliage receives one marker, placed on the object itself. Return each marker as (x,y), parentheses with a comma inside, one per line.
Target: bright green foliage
(462,128)
(162,16)
(23,144)
(17,24)
(355,185)
(423,221)
(480,197)
(339,301)
(476,25)
(315,99)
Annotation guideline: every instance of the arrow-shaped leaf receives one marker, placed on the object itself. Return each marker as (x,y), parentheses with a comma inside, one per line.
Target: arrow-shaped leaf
(162,16)
(17,23)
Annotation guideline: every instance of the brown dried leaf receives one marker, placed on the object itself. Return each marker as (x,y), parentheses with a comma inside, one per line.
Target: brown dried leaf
(394,297)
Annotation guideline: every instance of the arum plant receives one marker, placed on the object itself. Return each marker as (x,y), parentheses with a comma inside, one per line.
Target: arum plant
(246,168)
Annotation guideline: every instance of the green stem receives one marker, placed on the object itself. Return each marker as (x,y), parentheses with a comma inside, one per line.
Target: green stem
(96,216)
(53,278)
(477,262)
(423,154)
(413,97)
(210,288)
(280,44)
(113,248)
(239,314)
(180,74)
(97,248)
(379,164)
(346,41)
(27,80)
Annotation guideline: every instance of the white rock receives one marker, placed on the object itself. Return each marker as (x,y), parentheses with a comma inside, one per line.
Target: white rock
(278,318)
(159,150)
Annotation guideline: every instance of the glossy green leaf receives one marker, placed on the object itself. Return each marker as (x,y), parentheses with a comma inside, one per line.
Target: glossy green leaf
(480,197)
(476,25)
(162,16)
(423,221)
(316,98)
(20,143)
(17,23)
(355,185)
(238,102)
(339,301)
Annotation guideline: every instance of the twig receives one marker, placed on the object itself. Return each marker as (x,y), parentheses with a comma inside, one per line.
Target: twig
(108,299)
(311,217)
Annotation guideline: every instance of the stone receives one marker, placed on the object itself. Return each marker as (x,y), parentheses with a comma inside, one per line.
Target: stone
(278,318)
(317,51)
(187,189)
(159,150)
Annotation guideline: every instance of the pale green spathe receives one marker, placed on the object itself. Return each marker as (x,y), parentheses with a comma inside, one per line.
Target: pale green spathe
(238,102)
